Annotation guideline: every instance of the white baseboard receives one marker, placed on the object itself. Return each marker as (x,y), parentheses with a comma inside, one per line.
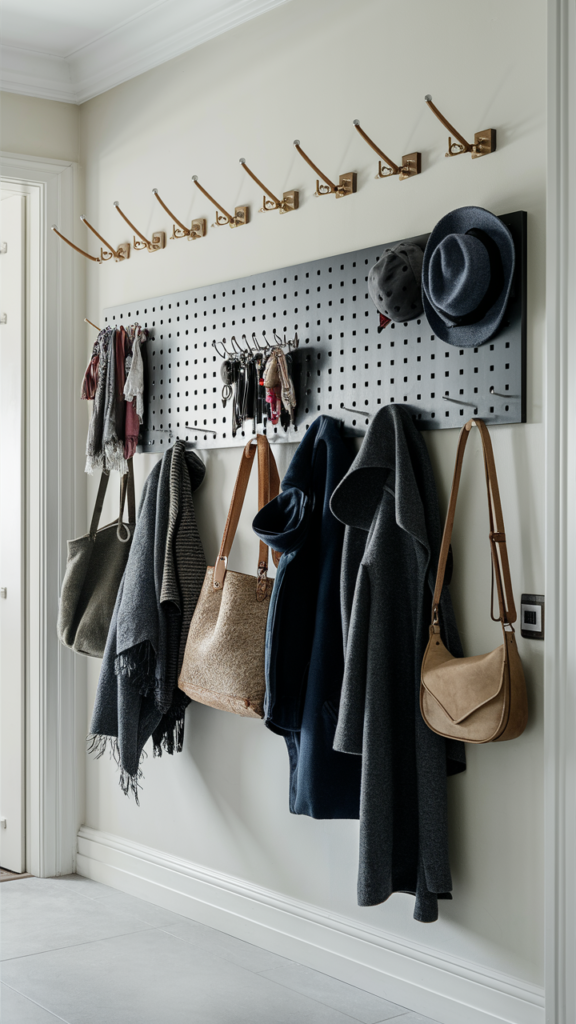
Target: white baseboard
(449,990)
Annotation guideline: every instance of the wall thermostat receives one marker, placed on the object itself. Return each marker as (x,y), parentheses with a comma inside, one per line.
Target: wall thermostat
(532,616)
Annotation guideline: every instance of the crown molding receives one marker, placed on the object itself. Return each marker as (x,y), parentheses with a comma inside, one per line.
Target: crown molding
(152,38)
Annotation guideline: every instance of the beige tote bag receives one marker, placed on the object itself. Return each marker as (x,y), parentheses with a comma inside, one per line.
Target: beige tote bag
(224,659)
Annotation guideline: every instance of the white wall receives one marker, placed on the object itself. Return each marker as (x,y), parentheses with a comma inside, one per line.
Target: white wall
(306,70)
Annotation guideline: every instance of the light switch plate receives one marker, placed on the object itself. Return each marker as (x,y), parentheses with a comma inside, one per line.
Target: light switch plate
(532,616)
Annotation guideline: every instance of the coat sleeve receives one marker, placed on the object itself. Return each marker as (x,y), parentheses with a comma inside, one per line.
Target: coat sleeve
(350,729)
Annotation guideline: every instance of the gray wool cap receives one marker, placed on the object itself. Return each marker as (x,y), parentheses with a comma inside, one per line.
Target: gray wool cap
(394,282)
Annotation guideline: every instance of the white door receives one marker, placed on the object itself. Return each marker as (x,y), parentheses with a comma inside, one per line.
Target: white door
(12,531)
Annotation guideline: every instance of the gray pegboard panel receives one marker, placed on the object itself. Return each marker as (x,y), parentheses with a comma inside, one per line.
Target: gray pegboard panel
(342,360)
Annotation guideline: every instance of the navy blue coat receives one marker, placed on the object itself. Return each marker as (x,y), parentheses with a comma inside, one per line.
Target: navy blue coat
(304,647)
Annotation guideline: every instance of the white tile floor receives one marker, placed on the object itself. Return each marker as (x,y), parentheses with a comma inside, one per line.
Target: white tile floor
(79,952)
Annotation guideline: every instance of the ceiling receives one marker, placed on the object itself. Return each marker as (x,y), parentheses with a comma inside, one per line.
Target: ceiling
(72,50)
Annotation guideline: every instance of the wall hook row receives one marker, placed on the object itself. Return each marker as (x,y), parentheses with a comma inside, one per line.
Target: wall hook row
(346,183)
(411,163)
(484,142)
(158,238)
(289,201)
(222,216)
(248,350)
(196,230)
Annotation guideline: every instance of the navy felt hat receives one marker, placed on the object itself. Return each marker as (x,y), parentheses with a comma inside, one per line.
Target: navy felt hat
(467,275)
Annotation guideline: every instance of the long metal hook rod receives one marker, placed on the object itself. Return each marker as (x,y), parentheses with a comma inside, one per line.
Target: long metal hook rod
(376,148)
(473,405)
(95,259)
(499,394)
(211,198)
(450,127)
(357,412)
(299,149)
(130,224)
(188,426)
(170,214)
(258,182)
(87,321)
(200,430)
(98,235)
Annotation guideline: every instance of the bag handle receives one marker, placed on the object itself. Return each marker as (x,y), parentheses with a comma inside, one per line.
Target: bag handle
(126,488)
(268,488)
(497,535)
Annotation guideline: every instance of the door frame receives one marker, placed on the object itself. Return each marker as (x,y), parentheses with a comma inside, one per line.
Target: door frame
(12,540)
(560,528)
(55,510)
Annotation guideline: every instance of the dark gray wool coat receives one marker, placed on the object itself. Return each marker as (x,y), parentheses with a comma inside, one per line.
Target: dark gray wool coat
(389,504)
(138,695)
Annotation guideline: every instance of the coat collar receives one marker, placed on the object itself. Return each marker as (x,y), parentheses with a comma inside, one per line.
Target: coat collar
(392,457)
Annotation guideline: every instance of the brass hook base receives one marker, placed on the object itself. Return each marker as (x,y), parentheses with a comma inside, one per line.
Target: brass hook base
(241,217)
(346,186)
(484,143)
(290,201)
(122,253)
(411,165)
(158,242)
(197,230)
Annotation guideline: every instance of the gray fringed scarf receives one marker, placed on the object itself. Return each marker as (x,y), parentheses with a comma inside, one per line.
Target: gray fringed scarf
(94,449)
(138,694)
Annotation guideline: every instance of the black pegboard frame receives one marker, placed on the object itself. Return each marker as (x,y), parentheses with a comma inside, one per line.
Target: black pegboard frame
(342,360)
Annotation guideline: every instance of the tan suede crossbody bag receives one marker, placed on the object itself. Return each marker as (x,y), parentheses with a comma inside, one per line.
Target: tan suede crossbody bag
(224,659)
(482,698)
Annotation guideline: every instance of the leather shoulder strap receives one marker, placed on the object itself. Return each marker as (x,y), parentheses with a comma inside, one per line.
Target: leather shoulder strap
(268,487)
(497,535)
(126,488)
(104,477)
